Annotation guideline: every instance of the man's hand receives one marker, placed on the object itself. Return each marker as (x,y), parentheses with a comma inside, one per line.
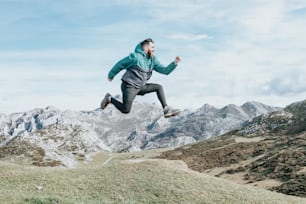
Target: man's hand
(109,79)
(177,60)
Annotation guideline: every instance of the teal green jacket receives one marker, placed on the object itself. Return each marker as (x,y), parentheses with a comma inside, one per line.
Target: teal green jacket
(143,62)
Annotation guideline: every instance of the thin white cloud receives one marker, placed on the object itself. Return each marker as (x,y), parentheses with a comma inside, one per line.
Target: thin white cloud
(295,5)
(88,54)
(189,37)
(264,18)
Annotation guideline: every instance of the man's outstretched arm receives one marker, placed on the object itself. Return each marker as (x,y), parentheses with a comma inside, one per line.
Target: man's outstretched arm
(166,69)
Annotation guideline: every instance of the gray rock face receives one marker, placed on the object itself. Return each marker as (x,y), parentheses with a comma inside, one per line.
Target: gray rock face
(64,134)
(288,121)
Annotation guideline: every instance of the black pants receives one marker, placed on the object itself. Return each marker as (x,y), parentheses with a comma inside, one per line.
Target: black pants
(129,93)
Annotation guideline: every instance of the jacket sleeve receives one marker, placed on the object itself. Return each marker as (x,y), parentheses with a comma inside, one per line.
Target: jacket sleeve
(164,69)
(122,64)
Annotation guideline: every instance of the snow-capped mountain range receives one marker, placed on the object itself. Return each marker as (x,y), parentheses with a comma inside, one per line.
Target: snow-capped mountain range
(64,134)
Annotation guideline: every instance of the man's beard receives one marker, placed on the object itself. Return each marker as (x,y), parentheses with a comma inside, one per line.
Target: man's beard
(151,53)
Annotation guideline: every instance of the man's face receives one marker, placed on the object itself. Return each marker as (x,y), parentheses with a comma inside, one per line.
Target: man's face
(150,49)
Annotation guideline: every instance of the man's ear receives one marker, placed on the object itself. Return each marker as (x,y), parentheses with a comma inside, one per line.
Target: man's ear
(145,48)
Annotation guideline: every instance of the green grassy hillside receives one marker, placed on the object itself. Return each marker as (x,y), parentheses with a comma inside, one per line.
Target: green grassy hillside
(125,178)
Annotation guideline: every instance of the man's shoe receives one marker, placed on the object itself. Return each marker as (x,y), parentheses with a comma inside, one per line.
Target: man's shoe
(169,112)
(105,101)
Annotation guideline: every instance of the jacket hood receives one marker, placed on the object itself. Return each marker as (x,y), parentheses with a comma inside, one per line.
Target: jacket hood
(139,49)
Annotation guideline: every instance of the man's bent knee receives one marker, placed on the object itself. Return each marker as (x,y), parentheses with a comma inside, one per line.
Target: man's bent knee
(158,86)
(126,110)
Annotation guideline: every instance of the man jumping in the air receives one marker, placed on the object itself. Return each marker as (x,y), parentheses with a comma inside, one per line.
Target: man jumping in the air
(139,67)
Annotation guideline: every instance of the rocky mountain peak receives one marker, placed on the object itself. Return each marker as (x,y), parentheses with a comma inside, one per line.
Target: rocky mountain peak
(206,108)
(64,134)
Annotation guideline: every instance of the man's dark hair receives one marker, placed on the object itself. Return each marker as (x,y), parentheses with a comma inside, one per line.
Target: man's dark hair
(146,41)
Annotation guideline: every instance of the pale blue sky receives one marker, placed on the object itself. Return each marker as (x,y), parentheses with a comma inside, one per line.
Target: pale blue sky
(58,53)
